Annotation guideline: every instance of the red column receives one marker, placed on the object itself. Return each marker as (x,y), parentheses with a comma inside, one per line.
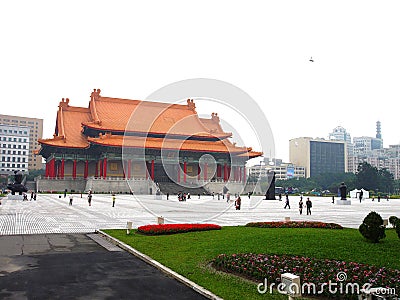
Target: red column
(205,171)
(244,174)
(47,169)
(219,171)
(61,169)
(53,168)
(225,172)
(240,174)
(129,168)
(198,171)
(74,169)
(96,172)
(229,173)
(105,167)
(184,171)
(152,169)
(86,171)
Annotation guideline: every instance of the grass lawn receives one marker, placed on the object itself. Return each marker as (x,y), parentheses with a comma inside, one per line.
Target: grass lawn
(189,254)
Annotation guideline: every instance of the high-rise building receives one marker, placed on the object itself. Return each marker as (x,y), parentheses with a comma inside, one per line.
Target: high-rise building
(364,145)
(340,134)
(36,131)
(14,153)
(318,156)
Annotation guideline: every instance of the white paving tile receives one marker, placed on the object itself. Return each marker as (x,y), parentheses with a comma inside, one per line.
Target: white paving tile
(51,214)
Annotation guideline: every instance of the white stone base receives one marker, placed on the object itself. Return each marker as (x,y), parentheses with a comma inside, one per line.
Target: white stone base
(343,202)
(15,197)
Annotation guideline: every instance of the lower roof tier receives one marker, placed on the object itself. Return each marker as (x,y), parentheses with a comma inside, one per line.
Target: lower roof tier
(162,144)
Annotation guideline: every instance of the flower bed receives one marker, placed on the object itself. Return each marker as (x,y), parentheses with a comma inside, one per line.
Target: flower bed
(175,228)
(294,224)
(259,267)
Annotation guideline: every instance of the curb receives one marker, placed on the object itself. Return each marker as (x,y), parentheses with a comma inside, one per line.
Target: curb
(199,289)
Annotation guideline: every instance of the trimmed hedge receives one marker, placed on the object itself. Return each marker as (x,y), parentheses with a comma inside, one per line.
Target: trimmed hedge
(294,224)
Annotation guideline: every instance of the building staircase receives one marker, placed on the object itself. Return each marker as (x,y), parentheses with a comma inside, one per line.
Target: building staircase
(173,188)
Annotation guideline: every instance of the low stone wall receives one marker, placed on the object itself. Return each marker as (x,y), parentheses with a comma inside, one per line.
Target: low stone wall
(139,187)
(59,185)
(97,185)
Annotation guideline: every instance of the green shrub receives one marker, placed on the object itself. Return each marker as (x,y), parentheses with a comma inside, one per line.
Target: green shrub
(372,227)
(393,220)
(398,228)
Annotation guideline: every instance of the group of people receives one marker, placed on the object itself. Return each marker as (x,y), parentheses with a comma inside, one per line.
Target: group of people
(308,204)
(89,197)
(25,196)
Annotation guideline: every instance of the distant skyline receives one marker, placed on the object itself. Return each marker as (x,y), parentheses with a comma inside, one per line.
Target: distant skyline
(129,49)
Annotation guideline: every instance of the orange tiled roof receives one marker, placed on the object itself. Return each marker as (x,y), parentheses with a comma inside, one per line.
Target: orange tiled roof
(213,124)
(68,127)
(224,146)
(115,114)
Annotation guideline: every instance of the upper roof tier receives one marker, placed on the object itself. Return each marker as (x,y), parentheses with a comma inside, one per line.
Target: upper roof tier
(136,116)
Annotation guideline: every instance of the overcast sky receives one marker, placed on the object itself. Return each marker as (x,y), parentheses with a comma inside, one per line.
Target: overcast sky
(129,49)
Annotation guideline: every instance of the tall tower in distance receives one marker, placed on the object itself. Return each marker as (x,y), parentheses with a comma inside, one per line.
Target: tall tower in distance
(378,130)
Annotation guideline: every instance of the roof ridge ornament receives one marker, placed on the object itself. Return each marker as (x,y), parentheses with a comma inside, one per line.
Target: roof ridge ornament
(64,103)
(214,117)
(95,95)
(191,105)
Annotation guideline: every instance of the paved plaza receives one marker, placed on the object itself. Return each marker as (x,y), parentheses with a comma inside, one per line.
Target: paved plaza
(53,214)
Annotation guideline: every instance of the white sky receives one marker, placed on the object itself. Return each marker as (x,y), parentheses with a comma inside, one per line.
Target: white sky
(129,49)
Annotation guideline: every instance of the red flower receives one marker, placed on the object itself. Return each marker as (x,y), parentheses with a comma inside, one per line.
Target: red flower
(175,228)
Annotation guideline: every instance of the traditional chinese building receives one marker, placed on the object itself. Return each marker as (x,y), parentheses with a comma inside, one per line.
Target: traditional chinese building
(114,140)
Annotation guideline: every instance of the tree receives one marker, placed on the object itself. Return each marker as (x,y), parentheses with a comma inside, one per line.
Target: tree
(372,227)
(386,181)
(367,177)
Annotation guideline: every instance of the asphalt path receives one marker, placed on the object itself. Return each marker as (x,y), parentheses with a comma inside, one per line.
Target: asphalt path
(73,266)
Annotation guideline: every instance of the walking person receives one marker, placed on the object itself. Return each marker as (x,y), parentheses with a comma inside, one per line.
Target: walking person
(32,195)
(287,204)
(113,200)
(71,198)
(90,198)
(238,202)
(360,195)
(308,205)
(167,196)
(301,205)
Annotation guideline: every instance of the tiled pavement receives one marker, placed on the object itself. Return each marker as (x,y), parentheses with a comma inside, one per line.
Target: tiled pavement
(51,214)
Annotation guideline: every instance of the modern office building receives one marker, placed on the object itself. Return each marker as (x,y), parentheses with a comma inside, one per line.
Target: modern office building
(14,153)
(282,171)
(318,156)
(364,145)
(35,133)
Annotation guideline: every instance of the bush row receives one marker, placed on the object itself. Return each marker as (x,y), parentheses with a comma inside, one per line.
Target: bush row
(295,224)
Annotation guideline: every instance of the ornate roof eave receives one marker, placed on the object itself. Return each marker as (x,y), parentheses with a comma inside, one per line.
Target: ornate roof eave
(212,135)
